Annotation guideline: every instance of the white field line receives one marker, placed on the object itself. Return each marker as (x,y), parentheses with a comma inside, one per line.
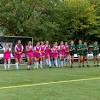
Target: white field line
(48,83)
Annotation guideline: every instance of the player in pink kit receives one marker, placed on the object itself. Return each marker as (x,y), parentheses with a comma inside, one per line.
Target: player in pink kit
(37,55)
(6,56)
(18,53)
(61,53)
(29,54)
(67,53)
(47,53)
(42,54)
(54,51)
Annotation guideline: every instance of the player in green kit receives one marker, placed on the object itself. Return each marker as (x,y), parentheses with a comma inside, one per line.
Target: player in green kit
(96,53)
(72,52)
(85,52)
(80,53)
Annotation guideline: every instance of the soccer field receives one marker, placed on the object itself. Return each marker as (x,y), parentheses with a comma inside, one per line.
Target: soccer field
(51,84)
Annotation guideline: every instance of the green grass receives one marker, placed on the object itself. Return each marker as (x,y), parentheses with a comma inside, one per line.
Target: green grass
(83,90)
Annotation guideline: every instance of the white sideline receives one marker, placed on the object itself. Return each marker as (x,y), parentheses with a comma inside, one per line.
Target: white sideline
(48,83)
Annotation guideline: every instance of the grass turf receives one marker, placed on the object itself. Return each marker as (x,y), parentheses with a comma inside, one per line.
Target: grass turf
(83,90)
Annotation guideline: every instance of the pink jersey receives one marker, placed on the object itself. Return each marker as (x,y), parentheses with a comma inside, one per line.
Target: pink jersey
(42,50)
(47,50)
(61,50)
(66,50)
(37,51)
(18,51)
(54,52)
(6,53)
(29,51)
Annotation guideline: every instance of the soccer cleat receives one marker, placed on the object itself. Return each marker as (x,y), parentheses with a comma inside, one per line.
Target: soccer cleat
(71,66)
(88,66)
(83,66)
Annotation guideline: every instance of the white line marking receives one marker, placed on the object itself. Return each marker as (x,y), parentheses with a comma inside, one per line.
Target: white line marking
(48,83)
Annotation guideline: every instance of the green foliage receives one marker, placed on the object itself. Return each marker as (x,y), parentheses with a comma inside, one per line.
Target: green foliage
(50,19)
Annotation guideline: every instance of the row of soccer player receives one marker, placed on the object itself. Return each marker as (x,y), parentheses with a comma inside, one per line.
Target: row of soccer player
(43,52)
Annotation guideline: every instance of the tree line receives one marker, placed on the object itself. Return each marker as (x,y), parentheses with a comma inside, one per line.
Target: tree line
(51,19)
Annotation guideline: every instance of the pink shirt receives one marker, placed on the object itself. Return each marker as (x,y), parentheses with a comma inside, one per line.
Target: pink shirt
(62,49)
(19,49)
(42,48)
(47,48)
(29,48)
(67,48)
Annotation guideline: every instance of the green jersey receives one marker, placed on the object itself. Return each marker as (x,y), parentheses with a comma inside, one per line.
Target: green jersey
(80,49)
(72,49)
(85,50)
(95,50)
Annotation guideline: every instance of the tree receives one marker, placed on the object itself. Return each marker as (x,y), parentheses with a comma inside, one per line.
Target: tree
(49,19)
(78,17)
(95,32)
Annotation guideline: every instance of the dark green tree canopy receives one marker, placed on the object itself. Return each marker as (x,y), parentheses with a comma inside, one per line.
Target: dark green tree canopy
(50,19)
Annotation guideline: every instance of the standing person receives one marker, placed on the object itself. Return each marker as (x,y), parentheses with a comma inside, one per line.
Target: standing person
(37,55)
(42,54)
(47,53)
(18,53)
(61,53)
(80,53)
(54,51)
(85,52)
(66,58)
(6,56)
(72,52)
(29,54)
(96,53)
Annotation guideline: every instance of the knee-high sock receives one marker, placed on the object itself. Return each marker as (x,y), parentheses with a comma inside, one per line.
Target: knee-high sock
(65,61)
(29,65)
(49,62)
(8,63)
(41,63)
(36,65)
(17,66)
(56,63)
(62,63)
(5,66)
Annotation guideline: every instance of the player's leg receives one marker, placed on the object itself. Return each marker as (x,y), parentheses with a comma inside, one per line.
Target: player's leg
(98,60)
(94,59)
(36,63)
(37,60)
(60,58)
(49,60)
(9,63)
(28,63)
(85,60)
(5,64)
(79,60)
(82,60)
(66,60)
(17,63)
(31,60)
(41,62)
(71,60)
(61,61)
(56,61)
